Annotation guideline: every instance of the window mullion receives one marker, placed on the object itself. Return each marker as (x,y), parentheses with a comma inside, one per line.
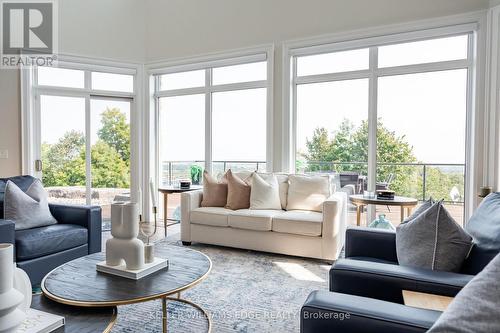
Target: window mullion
(372,126)
(208,120)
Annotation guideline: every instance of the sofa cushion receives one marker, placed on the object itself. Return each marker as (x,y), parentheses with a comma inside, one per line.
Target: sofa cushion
(299,222)
(307,192)
(28,209)
(238,191)
(23,182)
(433,240)
(260,220)
(484,224)
(215,216)
(39,242)
(265,192)
(214,192)
(283,186)
(475,308)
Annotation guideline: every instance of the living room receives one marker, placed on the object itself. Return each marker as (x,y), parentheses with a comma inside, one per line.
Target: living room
(250,166)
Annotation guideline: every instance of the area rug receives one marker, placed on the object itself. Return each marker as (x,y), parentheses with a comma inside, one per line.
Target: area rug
(246,291)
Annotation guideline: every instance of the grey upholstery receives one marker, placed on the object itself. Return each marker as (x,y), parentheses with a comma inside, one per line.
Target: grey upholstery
(335,312)
(38,242)
(39,250)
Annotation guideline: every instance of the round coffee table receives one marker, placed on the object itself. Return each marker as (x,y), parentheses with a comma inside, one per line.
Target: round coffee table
(78,319)
(78,283)
(404,202)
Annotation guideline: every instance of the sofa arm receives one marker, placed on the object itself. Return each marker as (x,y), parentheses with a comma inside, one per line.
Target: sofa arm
(387,281)
(334,221)
(189,201)
(348,189)
(335,312)
(89,217)
(371,242)
(7,231)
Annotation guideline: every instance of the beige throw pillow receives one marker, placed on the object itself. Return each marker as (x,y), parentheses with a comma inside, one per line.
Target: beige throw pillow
(238,192)
(307,192)
(214,192)
(265,192)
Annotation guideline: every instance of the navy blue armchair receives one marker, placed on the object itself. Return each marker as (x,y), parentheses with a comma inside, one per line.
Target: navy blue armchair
(371,268)
(39,250)
(368,283)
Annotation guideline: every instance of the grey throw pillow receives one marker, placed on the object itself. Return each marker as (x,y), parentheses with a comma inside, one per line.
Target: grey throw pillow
(475,308)
(28,210)
(432,240)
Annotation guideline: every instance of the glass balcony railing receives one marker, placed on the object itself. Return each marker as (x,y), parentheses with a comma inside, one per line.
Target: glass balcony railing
(173,171)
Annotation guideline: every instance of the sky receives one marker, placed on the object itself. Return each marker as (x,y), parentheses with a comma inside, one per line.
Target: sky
(62,114)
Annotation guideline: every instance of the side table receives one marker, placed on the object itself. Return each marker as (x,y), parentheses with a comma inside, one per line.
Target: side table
(403,202)
(166,190)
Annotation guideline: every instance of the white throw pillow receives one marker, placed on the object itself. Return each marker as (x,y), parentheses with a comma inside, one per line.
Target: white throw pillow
(265,193)
(283,184)
(307,192)
(27,210)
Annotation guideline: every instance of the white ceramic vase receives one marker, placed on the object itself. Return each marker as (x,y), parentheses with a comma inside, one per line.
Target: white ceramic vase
(124,245)
(15,291)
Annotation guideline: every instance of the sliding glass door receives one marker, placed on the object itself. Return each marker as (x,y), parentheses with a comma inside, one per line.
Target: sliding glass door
(109,152)
(82,136)
(63,153)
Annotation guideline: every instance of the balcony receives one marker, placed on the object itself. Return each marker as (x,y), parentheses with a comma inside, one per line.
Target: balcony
(417,180)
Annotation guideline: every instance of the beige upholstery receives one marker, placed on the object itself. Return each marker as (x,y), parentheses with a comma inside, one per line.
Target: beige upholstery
(283,185)
(299,222)
(307,192)
(215,216)
(253,219)
(300,233)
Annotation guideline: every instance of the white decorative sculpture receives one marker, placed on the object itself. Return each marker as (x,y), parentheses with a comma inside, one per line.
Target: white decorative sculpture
(125,246)
(15,291)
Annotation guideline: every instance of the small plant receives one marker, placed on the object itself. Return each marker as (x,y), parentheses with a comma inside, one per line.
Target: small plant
(196,172)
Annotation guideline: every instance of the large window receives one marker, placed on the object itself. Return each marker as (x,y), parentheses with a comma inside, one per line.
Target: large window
(213,116)
(82,137)
(386,116)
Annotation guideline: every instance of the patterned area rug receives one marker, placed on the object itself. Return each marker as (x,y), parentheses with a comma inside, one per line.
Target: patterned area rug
(246,291)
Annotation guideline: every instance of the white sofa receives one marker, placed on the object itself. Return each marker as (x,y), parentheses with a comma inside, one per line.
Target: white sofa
(295,232)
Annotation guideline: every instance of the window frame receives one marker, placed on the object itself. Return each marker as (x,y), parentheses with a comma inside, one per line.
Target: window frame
(207,63)
(293,50)
(31,120)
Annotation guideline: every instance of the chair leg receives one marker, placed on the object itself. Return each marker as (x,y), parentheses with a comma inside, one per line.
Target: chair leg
(186,243)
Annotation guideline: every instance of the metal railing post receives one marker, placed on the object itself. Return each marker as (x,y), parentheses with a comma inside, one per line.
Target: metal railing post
(170,173)
(424,181)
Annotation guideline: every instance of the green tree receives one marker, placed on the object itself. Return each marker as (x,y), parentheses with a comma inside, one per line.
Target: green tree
(115,131)
(108,169)
(64,161)
(57,158)
(350,144)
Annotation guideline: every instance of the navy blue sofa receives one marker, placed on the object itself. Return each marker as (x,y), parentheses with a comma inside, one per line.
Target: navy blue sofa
(368,282)
(39,250)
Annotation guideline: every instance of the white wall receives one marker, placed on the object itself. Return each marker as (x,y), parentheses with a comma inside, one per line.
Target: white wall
(148,30)
(10,122)
(180,28)
(112,29)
